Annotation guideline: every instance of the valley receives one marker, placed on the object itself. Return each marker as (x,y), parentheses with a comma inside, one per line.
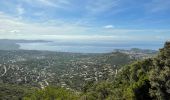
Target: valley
(69,70)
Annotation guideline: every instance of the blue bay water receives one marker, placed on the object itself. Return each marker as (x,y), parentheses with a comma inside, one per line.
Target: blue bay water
(95,47)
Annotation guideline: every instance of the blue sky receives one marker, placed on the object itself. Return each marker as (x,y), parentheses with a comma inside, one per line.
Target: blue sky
(110,21)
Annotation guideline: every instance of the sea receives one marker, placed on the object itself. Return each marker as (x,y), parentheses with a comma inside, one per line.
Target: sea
(92,47)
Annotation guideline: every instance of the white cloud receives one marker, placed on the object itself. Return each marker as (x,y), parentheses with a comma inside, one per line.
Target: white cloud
(12,28)
(82,37)
(39,13)
(98,6)
(109,26)
(20,10)
(15,31)
(49,3)
(158,5)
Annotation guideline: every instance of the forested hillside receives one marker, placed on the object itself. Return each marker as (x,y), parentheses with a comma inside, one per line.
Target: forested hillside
(142,80)
(145,79)
(84,49)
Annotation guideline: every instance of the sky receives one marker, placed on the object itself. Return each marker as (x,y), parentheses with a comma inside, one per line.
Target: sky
(107,21)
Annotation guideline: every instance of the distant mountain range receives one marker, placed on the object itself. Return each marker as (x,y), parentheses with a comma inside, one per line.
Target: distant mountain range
(7,44)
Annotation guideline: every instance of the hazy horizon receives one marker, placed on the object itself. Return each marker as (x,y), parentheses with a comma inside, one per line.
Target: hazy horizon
(104,24)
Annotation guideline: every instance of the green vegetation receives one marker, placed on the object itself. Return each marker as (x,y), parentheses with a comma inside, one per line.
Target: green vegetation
(52,93)
(147,79)
(143,80)
(15,92)
(118,58)
(70,70)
